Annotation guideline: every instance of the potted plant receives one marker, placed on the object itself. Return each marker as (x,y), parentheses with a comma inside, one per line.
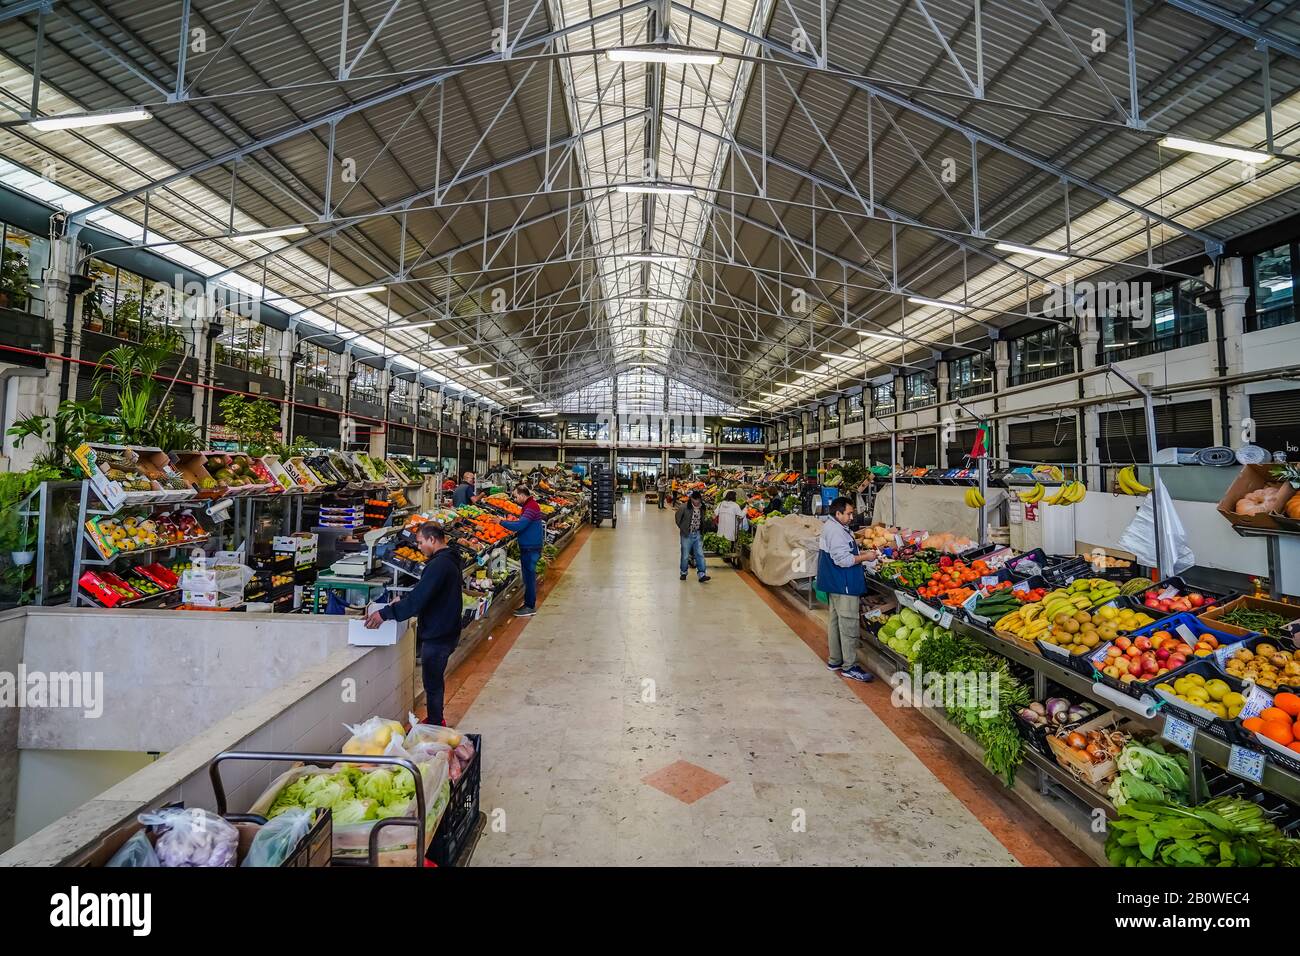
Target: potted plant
(17,536)
(14,280)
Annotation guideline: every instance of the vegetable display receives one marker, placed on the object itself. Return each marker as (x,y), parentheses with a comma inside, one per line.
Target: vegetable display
(1267,665)
(1151,773)
(352,795)
(716,542)
(193,837)
(1226,831)
(1256,619)
(906,631)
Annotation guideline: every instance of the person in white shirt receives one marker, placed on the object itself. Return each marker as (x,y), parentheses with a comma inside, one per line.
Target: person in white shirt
(728,514)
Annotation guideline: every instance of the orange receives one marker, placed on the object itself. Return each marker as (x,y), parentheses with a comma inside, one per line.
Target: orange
(1288,702)
(1275,714)
(1294,746)
(1254,724)
(1277,732)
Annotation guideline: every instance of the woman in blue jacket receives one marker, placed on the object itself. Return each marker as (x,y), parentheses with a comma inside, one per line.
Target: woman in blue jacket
(531,527)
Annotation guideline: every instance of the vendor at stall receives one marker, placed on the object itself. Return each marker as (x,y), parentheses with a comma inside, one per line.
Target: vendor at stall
(839,575)
(531,527)
(464,493)
(435,603)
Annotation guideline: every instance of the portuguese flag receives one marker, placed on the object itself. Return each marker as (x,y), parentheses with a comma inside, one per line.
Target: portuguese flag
(983,441)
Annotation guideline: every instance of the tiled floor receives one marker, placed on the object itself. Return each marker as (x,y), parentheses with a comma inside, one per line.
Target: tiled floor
(639,719)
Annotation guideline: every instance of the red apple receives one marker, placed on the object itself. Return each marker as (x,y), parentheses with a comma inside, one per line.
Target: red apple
(1176,661)
(1162,654)
(1134,651)
(1122,643)
(1142,642)
(1149,666)
(1196,600)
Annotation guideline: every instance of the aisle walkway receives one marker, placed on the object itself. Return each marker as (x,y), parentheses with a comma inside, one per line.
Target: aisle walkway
(639,719)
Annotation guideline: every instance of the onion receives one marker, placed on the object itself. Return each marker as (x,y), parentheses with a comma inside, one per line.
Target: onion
(1030,715)
(1037,708)
(1076,740)
(1057,707)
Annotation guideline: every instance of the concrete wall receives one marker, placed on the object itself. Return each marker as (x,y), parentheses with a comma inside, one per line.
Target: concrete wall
(165,676)
(52,783)
(12,628)
(305,715)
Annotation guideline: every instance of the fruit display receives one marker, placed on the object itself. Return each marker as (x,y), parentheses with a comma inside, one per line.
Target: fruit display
(945,542)
(905,632)
(1278,723)
(1262,501)
(1265,664)
(1081,632)
(107,588)
(1126,481)
(953,575)
(1213,695)
(503,503)
(1147,657)
(1170,600)
(974,499)
(407,553)
(488,529)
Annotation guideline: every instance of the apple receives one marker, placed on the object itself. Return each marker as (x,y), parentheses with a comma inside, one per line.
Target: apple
(1162,654)
(1134,651)
(1162,671)
(1122,664)
(1195,600)
(1122,643)
(1113,652)
(1176,661)
(1111,672)
(1142,642)
(1127,678)
(1149,665)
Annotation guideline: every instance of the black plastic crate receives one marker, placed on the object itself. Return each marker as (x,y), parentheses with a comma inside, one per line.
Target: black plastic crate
(460,818)
(1221,727)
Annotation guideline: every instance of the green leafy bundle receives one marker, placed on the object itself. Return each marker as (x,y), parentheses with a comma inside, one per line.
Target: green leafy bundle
(1226,831)
(1150,773)
(716,543)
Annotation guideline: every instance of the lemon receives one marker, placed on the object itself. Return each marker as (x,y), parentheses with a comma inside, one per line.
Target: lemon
(1217,689)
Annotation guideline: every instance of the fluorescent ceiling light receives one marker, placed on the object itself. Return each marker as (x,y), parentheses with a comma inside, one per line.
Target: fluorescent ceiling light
(839,358)
(882,335)
(450,349)
(769,395)
(729,418)
(516,388)
(1215,149)
(643,55)
(83,120)
(748,408)
(499,378)
(650,300)
(413,325)
(1030,251)
(662,189)
(938,303)
(475,368)
(547,415)
(270,234)
(650,257)
(364,290)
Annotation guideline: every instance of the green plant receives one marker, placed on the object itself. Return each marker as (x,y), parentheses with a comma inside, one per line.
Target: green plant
(255,423)
(130,369)
(17,532)
(72,424)
(171,433)
(14,278)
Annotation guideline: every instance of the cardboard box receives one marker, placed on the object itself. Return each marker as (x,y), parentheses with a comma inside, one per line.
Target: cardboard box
(312,850)
(1214,616)
(1078,762)
(1252,478)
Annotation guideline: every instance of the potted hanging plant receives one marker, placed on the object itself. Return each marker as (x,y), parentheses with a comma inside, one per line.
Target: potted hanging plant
(17,536)
(13,280)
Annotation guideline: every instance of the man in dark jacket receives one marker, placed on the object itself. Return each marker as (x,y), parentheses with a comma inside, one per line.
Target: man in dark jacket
(531,527)
(435,603)
(690,525)
(464,493)
(840,578)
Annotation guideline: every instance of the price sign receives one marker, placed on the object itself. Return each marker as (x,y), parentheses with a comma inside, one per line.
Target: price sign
(1247,764)
(1257,699)
(1224,654)
(988,580)
(1167,593)
(1186,634)
(969,604)
(1020,587)
(904,599)
(898,541)
(945,620)
(1179,732)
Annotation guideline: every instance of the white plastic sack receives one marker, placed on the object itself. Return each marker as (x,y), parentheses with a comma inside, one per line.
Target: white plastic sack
(785,548)
(1140,536)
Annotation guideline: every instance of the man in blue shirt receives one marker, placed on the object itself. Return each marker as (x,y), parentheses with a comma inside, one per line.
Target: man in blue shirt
(464,493)
(435,603)
(839,575)
(531,528)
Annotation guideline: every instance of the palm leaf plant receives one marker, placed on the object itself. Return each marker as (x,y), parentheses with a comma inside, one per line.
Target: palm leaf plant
(72,424)
(130,369)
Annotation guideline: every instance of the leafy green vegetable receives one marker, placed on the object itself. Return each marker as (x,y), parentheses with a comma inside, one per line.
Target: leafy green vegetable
(1226,831)
(1150,774)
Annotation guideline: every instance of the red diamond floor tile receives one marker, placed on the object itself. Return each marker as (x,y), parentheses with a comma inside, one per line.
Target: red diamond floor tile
(685,781)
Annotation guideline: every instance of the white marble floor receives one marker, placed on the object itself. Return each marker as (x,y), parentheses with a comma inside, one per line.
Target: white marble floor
(627,670)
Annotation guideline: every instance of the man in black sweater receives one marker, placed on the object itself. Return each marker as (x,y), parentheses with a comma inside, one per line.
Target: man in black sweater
(435,603)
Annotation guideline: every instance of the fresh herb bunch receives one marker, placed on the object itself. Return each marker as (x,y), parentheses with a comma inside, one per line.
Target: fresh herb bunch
(1226,831)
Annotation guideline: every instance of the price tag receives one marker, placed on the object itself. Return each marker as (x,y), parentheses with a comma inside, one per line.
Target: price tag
(1186,634)
(1069,580)
(1257,700)
(904,599)
(969,603)
(945,620)
(1247,764)
(1224,654)
(1167,593)
(1179,732)
(1020,587)
(898,541)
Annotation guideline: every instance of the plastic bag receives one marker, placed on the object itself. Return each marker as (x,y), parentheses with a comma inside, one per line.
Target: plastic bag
(371,737)
(420,733)
(137,851)
(193,837)
(1140,536)
(277,838)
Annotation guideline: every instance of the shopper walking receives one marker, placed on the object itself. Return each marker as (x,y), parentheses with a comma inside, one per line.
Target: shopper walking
(839,575)
(464,493)
(690,521)
(661,486)
(531,527)
(728,514)
(435,603)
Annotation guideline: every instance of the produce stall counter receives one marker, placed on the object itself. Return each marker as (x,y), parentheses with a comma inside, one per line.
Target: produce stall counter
(1275,779)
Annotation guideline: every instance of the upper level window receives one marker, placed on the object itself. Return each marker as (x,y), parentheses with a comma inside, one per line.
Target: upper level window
(1272,300)
(882,399)
(855,411)
(366,384)
(318,368)
(918,390)
(1172,319)
(970,375)
(742,435)
(1039,355)
(22,259)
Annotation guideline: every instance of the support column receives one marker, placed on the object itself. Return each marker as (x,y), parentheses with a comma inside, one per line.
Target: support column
(1232,411)
(288,374)
(949,417)
(1001,371)
(379,442)
(343,379)
(1089,450)
(199,325)
(62,293)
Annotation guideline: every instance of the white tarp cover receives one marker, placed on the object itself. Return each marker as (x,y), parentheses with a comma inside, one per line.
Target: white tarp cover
(785,548)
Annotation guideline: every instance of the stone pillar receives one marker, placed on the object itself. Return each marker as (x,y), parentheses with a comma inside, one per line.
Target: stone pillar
(1001,371)
(199,324)
(343,378)
(57,289)
(379,436)
(1229,321)
(1089,337)
(288,374)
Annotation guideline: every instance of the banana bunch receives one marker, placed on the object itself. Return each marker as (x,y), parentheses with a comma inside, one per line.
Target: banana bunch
(1033,495)
(1129,484)
(973,498)
(1070,493)
(1027,621)
(1081,595)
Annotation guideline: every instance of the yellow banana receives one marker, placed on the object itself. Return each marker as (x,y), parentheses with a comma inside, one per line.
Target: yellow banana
(1033,495)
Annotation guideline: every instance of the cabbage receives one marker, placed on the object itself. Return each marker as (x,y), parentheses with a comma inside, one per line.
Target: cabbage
(392,810)
(331,794)
(354,811)
(403,782)
(377,785)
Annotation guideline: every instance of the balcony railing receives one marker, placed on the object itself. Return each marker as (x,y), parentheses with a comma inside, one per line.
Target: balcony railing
(1163,343)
